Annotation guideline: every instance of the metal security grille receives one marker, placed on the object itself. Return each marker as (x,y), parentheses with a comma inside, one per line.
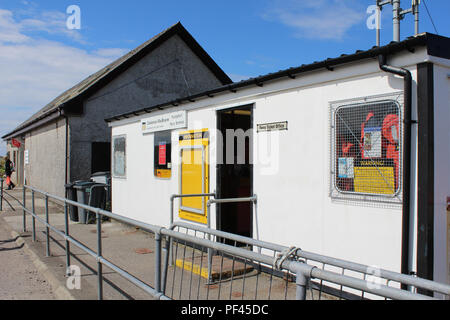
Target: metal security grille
(366,139)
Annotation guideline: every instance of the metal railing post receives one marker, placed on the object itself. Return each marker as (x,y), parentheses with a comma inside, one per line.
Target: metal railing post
(302,283)
(66,231)
(255,204)
(47,229)
(24,207)
(166,264)
(170,248)
(208,212)
(99,255)
(33,219)
(158,248)
(1,195)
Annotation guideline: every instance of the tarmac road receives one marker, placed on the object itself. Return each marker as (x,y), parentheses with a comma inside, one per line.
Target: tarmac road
(19,279)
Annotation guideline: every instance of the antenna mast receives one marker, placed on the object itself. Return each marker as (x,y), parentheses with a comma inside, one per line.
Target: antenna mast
(398,15)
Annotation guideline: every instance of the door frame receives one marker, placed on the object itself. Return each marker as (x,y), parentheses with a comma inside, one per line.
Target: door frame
(251,108)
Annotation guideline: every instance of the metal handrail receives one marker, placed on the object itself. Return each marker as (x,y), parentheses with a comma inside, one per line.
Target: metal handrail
(303,271)
(344,264)
(253,199)
(155,292)
(180,196)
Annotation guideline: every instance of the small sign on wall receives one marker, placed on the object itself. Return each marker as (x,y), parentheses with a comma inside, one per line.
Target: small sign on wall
(26,156)
(277,126)
(372,143)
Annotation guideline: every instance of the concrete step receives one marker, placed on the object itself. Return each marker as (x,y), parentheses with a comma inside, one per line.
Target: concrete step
(221,268)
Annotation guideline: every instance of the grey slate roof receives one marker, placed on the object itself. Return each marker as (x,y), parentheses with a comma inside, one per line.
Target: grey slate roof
(96,80)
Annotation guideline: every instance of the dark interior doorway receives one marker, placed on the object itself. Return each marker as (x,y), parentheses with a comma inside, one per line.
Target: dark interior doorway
(101,157)
(235,170)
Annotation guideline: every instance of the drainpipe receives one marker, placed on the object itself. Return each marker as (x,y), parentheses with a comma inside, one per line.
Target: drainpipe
(406,74)
(66,151)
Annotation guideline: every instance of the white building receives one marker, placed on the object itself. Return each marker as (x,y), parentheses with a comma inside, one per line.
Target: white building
(326,153)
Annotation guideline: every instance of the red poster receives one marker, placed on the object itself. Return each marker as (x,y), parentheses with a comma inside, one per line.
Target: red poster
(15,143)
(162,155)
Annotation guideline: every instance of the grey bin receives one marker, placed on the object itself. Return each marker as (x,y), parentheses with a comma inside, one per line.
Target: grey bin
(101,177)
(71,194)
(83,189)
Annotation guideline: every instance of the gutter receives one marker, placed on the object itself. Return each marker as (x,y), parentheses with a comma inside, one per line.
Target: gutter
(406,74)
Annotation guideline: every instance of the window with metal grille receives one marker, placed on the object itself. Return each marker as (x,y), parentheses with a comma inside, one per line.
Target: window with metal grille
(366,150)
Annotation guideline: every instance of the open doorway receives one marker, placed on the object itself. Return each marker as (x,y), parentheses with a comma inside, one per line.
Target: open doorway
(100,157)
(235,170)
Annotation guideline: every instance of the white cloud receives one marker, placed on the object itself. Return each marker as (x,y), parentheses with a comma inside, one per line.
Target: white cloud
(53,23)
(43,69)
(10,118)
(9,30)
(238,77)
(50,22)
(317,19)
(35,70)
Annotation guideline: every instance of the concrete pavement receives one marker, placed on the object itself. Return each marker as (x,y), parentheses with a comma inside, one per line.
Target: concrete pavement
(19,278)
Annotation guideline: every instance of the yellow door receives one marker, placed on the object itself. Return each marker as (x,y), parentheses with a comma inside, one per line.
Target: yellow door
(192,181)
(194,175)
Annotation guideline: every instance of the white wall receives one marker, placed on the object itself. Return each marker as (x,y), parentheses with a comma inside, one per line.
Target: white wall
(294,206)
(141,195)
(442,170)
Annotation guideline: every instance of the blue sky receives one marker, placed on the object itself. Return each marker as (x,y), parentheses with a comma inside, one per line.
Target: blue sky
(40,57)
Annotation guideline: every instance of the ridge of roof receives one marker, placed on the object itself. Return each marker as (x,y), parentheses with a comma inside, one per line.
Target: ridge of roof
(434,43)
(100,78)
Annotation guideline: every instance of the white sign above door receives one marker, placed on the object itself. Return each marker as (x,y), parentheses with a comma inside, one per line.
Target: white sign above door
(164,122)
